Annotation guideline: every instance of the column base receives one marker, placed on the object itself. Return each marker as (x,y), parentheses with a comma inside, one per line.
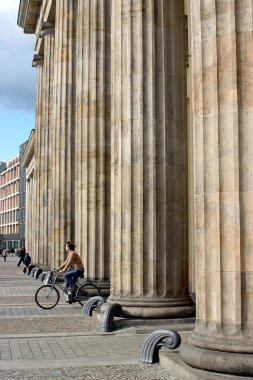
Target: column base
(155,307)
(232,363)
(104,286)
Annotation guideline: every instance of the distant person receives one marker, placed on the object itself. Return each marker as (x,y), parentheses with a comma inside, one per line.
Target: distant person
(27,259)
(21,256)
(27,262)
(5,254)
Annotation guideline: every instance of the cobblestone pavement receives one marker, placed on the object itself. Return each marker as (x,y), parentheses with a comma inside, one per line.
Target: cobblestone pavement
(61,343)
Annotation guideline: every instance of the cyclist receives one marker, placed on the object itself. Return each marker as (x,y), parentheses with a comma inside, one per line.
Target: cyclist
(70,277)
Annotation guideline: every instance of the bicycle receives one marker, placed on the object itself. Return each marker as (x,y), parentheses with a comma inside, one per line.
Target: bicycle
(48,295)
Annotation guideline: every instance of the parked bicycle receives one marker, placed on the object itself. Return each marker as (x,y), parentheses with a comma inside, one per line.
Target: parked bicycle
(48,295)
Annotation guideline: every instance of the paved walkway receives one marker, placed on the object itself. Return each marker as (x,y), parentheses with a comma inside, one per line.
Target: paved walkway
(61,343)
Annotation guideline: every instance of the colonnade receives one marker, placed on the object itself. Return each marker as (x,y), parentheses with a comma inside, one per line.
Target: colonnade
(110,169)
(112,106)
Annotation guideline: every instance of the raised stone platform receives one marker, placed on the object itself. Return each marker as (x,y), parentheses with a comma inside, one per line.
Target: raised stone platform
(171,361)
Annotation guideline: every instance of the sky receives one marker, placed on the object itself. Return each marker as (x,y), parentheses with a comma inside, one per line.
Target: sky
(17,81)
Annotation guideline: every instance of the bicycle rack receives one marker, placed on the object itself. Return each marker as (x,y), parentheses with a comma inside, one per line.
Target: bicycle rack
(49,276)
(33,271)
(37,273)
(91,304)
(154,341)
(42,276)
(113,310)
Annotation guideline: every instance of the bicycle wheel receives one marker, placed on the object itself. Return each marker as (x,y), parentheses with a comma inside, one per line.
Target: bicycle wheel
(47,297)
(85,292)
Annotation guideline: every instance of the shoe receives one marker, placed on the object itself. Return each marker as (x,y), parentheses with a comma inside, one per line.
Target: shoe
(71,300)
(72,296)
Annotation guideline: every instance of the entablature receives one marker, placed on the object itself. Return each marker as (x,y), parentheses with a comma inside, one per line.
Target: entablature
(29,151)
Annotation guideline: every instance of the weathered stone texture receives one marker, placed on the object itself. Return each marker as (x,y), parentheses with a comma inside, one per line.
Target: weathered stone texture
(143,157)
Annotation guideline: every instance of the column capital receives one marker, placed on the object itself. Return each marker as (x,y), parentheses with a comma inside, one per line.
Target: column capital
(47,32)
(47,29)
(46,25)
(37,60)
(30,176)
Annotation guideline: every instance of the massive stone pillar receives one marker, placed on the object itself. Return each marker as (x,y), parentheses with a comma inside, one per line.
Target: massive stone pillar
(36,227)
(28,162)
(29,213)
(93,133)
(46,150)
(149,275)
(223,125)
(63,132)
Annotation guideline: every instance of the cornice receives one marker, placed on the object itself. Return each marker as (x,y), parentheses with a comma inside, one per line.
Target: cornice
(29,150)
(28,14)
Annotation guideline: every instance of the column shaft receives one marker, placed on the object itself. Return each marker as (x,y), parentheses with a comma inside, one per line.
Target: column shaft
(37,235)
(93,136)
(63,133)
(223,72)
(29,207)
(47,152)
(149,176)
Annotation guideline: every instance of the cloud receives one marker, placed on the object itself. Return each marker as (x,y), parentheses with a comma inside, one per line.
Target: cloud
(17,79)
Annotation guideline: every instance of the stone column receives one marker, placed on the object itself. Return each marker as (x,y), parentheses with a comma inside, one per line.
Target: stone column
(93,135)
(46,149)
(149,275)
(223,70)
(36,230)
(63,133)
(29,210)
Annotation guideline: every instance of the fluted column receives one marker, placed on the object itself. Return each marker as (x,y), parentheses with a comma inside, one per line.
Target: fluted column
(29,211)
(63,134)
(37,233)
(46,149)
(149,276)
(93,136)
(223,118)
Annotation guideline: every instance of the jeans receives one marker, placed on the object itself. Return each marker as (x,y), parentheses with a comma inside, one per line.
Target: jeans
(21,260)
(72,276)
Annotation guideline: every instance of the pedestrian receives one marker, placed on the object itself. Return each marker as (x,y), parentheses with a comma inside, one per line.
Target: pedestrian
(21,256)
(27,262)
(5,254)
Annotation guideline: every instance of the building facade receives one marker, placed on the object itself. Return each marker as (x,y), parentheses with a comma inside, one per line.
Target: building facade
(143,157)
(9,203)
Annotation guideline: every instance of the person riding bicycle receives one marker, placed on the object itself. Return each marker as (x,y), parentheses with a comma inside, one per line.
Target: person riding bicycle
(73,260)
